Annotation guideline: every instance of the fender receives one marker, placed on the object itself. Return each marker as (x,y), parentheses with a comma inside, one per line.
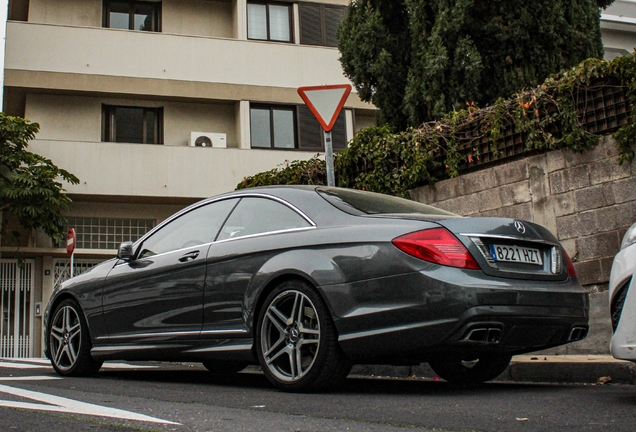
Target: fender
(315,266)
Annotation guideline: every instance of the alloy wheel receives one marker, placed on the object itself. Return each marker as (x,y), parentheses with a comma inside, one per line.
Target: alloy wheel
(65,337)
(290,336)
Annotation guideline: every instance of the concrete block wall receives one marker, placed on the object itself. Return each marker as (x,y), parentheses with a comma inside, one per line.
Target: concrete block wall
(587,200)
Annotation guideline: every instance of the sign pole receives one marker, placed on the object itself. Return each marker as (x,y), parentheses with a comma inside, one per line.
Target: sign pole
(331,178)
(71,239)
(325,103)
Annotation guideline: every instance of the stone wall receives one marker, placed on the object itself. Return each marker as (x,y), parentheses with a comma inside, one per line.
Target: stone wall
(587,200)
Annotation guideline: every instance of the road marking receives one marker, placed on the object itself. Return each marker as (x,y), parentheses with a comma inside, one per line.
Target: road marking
(126,366)
(35,360)
(20,365)
(30,378)
(33,363)
(63,405)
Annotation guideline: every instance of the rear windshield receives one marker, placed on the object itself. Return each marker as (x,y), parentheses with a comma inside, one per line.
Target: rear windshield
(360,203)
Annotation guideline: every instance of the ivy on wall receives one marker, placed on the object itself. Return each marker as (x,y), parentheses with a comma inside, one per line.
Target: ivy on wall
(551,116)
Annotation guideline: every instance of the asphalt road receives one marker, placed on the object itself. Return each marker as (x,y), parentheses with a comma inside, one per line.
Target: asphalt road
(178,397)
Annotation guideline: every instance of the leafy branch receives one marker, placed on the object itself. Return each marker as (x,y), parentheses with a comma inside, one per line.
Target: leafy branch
(30,184)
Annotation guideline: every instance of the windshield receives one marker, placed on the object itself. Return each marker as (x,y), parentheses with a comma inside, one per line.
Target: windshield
(361,203)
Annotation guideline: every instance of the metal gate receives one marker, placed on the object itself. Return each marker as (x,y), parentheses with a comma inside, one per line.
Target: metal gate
(62,269)
(16,302)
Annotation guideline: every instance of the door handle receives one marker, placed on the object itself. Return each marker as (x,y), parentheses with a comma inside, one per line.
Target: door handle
(189,256)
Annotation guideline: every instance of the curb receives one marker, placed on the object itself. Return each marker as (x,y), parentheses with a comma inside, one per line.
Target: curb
(579,369)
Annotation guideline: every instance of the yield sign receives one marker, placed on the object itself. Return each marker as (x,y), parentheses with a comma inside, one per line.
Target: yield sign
(325,102)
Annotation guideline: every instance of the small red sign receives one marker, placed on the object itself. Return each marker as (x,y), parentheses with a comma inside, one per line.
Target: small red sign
(70,241)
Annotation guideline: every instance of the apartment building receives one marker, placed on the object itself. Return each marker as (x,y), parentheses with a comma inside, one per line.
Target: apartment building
(157,104)
(154,105)
(618,25)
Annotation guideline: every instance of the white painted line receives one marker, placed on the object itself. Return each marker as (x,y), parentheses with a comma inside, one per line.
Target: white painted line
(30,378)
(64,405)
(126,366)
(46,364)
(36,360)
(21,365)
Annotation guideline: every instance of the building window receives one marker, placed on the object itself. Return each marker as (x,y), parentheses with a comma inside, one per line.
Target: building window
(132,15)
(269,21)
(319,23)
(132,124)
(273,126)
(102,233)
(292,127)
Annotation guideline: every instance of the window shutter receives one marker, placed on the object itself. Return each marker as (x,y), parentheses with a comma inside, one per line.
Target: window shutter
(339,133)
(333,18)
(311,134)
(310,130)
(310,24)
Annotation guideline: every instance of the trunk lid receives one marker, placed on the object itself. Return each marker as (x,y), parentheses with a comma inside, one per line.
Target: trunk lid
(511,248)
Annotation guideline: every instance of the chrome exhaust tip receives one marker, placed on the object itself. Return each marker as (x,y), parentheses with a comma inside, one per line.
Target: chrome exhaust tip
(577,334)
(484,335)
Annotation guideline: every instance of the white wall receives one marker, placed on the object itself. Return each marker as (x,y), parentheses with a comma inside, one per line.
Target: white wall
(197,17)
(618,26)
(182,118)
(71,118)
(364,121)
(87,13)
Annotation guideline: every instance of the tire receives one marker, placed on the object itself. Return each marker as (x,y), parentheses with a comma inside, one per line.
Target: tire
(296,341)
(223,368)
(70,342)
(487,367)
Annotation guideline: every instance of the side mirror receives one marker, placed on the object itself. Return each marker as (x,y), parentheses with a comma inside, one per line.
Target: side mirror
(125,251)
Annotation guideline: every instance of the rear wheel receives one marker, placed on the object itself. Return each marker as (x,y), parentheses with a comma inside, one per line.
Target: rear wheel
(70,342)
(297,342)
(485,368)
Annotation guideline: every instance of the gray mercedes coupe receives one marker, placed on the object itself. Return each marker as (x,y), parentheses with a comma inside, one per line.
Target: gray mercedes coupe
(308,280)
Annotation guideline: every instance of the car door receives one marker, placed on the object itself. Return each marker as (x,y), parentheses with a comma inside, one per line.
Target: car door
(243,245)
(158,295)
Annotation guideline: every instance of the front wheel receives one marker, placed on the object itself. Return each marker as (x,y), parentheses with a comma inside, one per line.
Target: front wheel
(297,343)
(70,342)
(476,371)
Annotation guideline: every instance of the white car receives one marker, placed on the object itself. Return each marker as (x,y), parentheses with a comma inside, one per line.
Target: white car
(622,291)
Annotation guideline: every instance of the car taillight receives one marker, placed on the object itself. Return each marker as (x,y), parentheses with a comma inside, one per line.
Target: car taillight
(570,266)
(437,245)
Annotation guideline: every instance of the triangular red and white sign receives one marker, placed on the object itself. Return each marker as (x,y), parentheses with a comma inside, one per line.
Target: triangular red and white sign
(325,102)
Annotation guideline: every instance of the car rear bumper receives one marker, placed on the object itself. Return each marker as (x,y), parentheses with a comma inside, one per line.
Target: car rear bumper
(409,318)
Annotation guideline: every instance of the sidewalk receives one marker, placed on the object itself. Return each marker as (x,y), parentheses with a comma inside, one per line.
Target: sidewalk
(590,369)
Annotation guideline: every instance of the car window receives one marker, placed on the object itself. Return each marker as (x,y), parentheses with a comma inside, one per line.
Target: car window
(359,203)
(260,215)
(199,226)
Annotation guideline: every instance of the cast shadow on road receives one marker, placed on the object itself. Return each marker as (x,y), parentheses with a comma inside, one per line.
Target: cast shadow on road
(353,385)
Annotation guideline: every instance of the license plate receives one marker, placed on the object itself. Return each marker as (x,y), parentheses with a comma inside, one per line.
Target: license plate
(508,253)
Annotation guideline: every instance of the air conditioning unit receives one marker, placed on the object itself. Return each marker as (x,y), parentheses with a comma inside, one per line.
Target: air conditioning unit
(207,139)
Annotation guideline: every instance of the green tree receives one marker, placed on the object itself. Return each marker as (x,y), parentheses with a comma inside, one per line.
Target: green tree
(418,59)
(29,183)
